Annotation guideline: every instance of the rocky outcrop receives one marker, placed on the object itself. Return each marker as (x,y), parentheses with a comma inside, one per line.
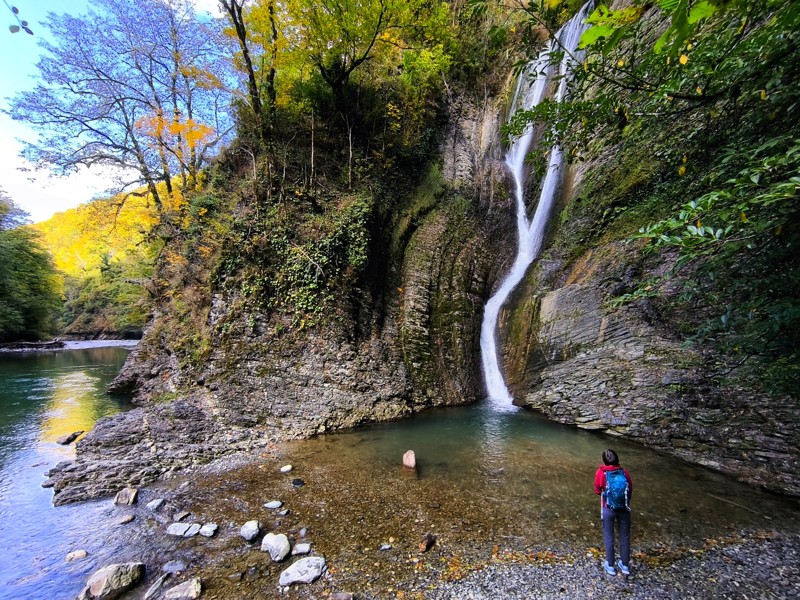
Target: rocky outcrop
(579,362)
(139,446)
(265,380)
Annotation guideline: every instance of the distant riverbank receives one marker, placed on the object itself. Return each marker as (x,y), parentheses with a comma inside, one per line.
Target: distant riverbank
(66,345)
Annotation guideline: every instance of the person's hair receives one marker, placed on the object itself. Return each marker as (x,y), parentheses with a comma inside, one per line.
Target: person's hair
(610,457)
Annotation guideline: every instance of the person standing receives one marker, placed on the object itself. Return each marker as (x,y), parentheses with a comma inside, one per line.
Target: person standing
(613,484)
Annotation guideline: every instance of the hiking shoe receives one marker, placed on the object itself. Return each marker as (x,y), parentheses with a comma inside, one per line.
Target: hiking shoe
(623,568)
(609,569)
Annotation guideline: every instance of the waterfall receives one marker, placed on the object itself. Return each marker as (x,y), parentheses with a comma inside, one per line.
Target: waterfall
(532,87)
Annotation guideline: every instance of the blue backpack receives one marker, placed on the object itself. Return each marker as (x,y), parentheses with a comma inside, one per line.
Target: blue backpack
(616,490)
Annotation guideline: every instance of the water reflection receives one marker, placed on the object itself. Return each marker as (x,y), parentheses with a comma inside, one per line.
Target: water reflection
(43,396)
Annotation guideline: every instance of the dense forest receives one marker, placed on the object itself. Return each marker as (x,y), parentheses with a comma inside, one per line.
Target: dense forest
(287,152)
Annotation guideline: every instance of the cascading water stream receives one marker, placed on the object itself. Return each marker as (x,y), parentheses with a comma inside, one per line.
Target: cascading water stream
(531,89)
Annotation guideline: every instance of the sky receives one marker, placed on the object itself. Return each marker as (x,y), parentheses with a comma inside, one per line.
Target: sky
(39,193)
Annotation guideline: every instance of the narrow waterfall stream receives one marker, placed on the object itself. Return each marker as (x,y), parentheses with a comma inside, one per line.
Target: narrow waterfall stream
(532,88)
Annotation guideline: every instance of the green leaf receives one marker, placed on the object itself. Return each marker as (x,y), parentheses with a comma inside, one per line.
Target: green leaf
(701,10)
(593,34)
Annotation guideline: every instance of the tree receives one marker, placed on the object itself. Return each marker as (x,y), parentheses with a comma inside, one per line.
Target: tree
(139,86)
(235,12)
(28,284)
(21,25)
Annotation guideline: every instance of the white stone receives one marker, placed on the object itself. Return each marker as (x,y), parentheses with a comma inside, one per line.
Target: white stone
(76,555)
(154,505)
(250,530)
(188,590)
(410,460)
(304,570)
(301,548)
(194,529)
(155,589)
(277,545)
(179,529)
(273,504)
(208,530)
(286,468)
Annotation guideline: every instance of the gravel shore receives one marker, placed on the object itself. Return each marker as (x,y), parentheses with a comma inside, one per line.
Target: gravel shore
(759,565)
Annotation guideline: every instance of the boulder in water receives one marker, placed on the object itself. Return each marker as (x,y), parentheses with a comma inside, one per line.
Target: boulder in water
(76,555)
(111,581)
(410,460)
(126,496)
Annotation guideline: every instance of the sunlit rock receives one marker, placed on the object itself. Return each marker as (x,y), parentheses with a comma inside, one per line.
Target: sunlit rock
(250,530)
(186,591)
(304,570)
(126,496)
(410,460)
(277,545)
(301,548)
(178,529)
(69,438)
(111,581)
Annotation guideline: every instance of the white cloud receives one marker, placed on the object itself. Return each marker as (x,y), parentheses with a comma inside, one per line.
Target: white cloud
(37,192)
(211,6)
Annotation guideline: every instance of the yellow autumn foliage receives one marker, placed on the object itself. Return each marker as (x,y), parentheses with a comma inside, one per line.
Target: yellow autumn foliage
(79,238)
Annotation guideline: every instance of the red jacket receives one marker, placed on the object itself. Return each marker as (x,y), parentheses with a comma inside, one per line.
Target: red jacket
(600,481)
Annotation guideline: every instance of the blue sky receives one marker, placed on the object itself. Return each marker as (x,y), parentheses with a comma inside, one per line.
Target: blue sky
(37,192)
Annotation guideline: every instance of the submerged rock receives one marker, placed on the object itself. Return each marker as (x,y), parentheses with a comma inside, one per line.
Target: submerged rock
(174,567)
(208,529)
(76,555)
(277,545)
(273,504)
(125,520)
(154,505)
(69,438)
(305,570)
(111,581)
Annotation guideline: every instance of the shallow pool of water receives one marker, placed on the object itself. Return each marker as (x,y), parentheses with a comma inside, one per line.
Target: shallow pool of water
(487,482)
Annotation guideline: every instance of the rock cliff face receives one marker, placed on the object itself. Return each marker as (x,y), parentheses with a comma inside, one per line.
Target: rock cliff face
(622,371)
(415,348)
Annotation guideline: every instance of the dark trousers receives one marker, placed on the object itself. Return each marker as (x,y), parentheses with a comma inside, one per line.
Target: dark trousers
(620,519)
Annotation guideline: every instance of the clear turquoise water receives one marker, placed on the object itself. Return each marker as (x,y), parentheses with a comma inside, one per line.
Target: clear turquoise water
(43,396)
(486,478)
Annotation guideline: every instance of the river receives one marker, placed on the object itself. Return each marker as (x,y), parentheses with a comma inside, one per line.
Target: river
(487,478)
